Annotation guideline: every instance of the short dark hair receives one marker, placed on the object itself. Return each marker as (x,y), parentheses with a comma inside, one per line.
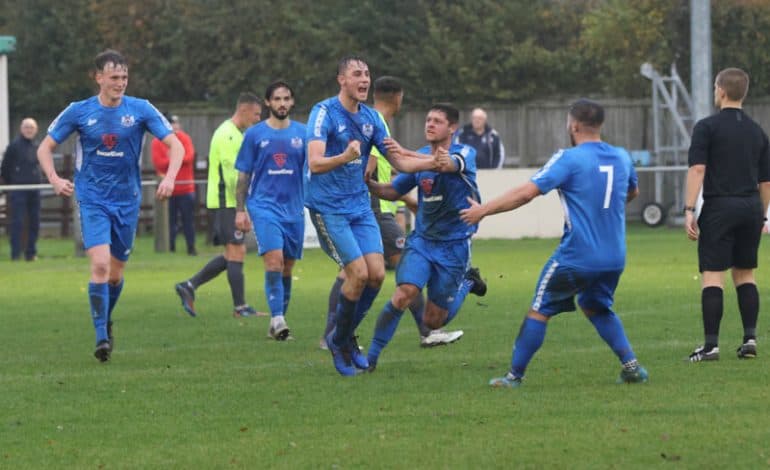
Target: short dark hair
(343,63)
(587,112)
(735,83)
(452,114)
(109,56)
(248,98)
(276,85)
(387,85)
(170,117)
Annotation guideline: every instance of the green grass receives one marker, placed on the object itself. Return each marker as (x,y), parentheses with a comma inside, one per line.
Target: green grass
(213,392)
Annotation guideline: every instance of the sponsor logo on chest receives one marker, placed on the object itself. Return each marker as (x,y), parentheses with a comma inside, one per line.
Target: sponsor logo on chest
(280,161)
(426,184)
(109,141)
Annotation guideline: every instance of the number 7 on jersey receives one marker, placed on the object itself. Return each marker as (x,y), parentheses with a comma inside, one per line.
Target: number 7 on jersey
(609,169)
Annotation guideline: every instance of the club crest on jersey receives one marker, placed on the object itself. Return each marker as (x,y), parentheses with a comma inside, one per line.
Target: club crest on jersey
(110,140)
(127,120)
(426,184)
(367,129)
(296,142)
(279,159)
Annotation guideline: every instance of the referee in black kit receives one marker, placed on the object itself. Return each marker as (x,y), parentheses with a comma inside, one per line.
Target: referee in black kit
(730,158)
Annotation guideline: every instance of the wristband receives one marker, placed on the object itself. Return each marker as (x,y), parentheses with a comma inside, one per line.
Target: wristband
(689,209)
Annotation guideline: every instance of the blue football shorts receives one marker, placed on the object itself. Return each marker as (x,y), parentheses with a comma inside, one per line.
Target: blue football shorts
(109,225)
(275,234)
(347,237)
(558,285)
(439,265)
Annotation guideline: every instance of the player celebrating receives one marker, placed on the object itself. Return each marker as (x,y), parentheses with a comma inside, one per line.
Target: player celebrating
(110,129)
(437,253)
(340,133)
(270,164)
(388,96)
(220,198)
(595,181)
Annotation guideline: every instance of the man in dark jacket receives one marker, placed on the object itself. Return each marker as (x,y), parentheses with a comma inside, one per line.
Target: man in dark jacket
(490,152)
(20,166)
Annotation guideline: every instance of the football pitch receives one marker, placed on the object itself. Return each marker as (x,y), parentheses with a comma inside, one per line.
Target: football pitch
(215,392)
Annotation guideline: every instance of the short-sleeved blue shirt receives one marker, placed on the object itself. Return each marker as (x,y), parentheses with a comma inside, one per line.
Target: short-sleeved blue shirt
(342,190)
(275,159)
(593,180)
(109,146)
(441,196)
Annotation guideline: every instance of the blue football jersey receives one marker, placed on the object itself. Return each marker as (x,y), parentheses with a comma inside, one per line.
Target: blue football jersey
(342,190)
(593,180)
(275,159)
(109,146)
(441,196)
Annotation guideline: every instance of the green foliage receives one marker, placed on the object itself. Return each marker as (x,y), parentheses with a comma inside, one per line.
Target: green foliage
(619,36)
(467,51)
(213,392)
(740,39)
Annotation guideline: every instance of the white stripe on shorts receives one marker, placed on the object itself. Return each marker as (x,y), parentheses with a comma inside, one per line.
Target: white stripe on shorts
(543,284)
(323,232)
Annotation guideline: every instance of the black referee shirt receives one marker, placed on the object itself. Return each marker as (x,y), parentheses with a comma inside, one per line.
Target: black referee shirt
(735,151)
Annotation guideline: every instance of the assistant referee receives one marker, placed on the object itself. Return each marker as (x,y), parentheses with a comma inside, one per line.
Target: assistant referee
(729,158)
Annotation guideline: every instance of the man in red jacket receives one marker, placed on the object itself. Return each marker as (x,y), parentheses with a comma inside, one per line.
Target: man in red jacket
(182,203)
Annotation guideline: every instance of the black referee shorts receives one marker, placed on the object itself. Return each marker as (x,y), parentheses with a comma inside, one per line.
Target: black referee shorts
(225,232)
(393,236)
(730,231)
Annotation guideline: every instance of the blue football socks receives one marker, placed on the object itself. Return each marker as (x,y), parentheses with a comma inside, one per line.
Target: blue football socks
(611,330)
(457,303)
(343,331)
(286,280)
(417,308)
(274,292)
(99,298)
(115,290)
(364,302)
(384,330)
(531,336)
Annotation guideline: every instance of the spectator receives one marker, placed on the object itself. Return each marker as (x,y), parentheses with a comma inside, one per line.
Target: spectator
(490,152)
(20,166)
(182,203)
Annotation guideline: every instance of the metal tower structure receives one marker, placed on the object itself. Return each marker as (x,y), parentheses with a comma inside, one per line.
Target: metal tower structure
(672,119)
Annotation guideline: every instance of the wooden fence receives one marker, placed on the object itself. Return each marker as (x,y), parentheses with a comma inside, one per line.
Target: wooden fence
(531,133)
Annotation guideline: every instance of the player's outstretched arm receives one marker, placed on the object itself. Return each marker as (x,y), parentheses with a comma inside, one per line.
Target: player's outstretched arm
(383,190)
(318,163)
(407,161)
(61,186)
(175,157)
(445,163)
(508,201)
(410,202)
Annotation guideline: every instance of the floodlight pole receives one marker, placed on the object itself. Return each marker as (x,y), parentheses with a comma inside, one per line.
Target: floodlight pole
(701,78)
(7,45)
(4,125)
